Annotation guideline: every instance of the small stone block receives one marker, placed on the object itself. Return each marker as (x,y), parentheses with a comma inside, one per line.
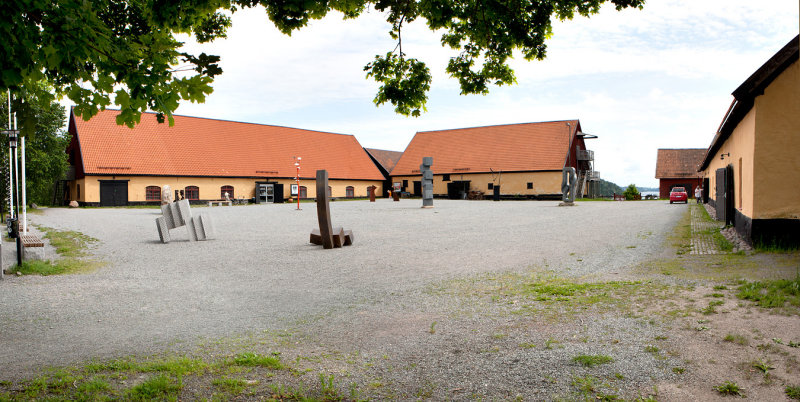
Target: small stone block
(166,211)
(199,230)
(185,212)
(427,175)
(348,238)
(210,204)
(208,226)
(163,232)
(338,237)
(427,160)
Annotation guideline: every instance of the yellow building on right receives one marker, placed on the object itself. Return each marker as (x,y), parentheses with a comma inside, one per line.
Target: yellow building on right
(751,170)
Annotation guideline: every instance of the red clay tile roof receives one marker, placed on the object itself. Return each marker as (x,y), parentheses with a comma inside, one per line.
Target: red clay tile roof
(387,159)
(678,163)
(205,147)
(511,147)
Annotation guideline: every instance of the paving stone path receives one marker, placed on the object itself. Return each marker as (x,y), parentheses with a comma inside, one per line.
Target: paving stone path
(702,241)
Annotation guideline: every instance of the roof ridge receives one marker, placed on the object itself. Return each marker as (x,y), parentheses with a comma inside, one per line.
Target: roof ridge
(234,121)
(501,125)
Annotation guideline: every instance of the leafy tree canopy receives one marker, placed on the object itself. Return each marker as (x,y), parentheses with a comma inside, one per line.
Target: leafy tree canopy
(99,52)
(631,192)
(41,123)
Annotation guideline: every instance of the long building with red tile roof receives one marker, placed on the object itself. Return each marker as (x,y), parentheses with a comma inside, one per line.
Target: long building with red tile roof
(202,159)
(524,160)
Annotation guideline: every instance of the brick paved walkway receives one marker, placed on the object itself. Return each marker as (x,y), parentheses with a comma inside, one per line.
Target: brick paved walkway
(703,243)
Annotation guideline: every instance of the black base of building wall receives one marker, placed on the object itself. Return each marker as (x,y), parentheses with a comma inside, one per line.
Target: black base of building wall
(779,233)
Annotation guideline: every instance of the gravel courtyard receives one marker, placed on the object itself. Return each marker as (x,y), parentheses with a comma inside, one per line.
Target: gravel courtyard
(469,300)
(261,273)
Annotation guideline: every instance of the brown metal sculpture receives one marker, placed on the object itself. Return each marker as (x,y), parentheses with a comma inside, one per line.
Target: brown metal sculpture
(326,235)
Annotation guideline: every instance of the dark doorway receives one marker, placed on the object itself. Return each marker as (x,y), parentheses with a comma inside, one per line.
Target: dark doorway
(418,189)
(278,195)
(706,190)
(496,194)
(457,190)
(113,193)
(725,196)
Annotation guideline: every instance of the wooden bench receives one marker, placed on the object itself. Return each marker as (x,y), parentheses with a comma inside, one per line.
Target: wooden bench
(29,240)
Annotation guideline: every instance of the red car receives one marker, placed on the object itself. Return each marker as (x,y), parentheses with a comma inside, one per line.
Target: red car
(678,194)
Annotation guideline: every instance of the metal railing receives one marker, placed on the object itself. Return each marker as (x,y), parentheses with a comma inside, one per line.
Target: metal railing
(585,155)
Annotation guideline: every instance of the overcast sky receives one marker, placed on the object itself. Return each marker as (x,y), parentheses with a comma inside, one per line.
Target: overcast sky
(639,80)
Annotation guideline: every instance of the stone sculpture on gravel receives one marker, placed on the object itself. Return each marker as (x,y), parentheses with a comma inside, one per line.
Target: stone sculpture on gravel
(166,195)
(327,236)
(568,186)
(427,181)
(177,214)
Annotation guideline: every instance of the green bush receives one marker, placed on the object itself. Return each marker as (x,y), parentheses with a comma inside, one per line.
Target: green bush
(632,193)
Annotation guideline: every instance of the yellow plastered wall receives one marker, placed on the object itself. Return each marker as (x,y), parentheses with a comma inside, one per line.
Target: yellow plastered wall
(767,142)
(209,187)
(510,183)
(740,146)
(777,148)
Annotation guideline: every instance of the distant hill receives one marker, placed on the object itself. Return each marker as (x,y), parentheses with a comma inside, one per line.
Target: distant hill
(642,189)
(607,188)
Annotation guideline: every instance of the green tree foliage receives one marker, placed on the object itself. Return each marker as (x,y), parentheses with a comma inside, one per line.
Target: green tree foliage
(41,125)
(124,52)
(631,193)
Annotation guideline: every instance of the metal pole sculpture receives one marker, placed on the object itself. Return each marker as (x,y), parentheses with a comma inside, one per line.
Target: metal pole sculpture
(568,183)
(328,236)
(427,181)
(297,179)
(323,209)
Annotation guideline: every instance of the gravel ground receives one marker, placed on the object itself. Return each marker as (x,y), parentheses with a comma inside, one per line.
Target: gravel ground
(260,273)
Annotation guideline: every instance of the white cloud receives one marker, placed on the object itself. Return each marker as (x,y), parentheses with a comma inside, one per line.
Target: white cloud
(656,78)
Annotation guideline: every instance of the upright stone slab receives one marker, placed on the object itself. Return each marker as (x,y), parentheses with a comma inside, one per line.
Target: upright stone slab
(163,230)
(324,210)
(427,181)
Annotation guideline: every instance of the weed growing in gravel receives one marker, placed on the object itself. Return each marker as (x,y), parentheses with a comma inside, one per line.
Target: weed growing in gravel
(234,386)
(252,360)
(432,329)
(159,387)
(792,392)
(712,307)
(772,294)
(720,287)
(174,378)
(729,388)
(592,360)
(762,366)
(678,370)
(737,339)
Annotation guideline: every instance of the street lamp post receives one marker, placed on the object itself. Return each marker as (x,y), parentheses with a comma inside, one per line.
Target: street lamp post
(297,180)
(12,142)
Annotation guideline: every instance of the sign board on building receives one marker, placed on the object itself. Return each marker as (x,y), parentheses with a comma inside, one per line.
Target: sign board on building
(294,189)
(397,186)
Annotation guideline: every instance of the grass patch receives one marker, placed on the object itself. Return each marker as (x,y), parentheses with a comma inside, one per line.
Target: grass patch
(68,243)
(772,294)
(792,392)
(592,360)
(729,388)
(159,387)
(234,386)
(71,246)
(256,360)
(737,339)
